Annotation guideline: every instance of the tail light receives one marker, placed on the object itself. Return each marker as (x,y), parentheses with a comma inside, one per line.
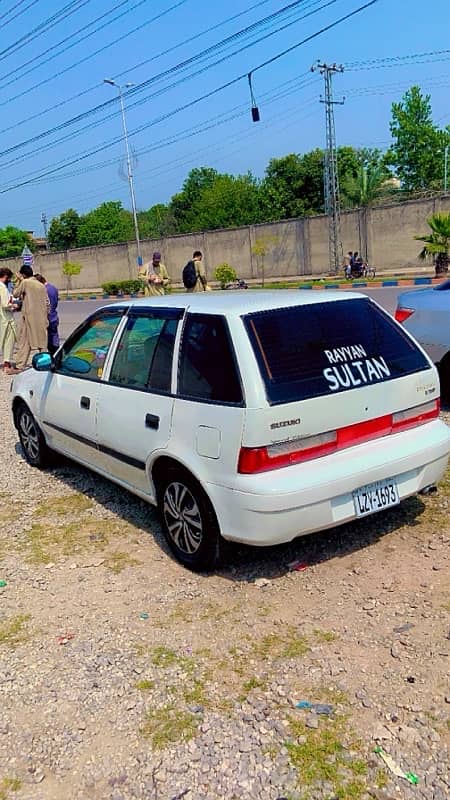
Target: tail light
(402,420)
(274,456)
(403,313)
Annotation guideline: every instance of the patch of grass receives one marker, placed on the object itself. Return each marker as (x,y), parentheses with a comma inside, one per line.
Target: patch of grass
(381,779)
(8,785)
(288,644)
(61,506)
(145,685)
(118,561)
(324,636)
(164,657)
(319,755)
(168,725)
(252,683)
(196,694)
(46,543)
(331,695)
(13,630)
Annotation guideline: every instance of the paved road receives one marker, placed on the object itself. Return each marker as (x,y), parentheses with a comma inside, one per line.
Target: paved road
(72,312)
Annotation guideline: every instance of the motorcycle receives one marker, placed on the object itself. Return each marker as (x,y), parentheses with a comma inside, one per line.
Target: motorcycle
(239,283)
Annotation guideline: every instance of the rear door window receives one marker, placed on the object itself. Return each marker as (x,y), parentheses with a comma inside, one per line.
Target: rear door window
(325,348)
(208,369)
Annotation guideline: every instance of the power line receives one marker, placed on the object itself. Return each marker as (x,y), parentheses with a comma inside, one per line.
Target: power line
(191,103)
(201,127)
(394,61)
(43,27)
(67,38)
(166,73)
(110,44)
(172,165)
(19,13)
(189,40)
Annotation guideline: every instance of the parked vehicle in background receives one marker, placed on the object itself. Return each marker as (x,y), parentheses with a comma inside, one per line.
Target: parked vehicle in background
(254,417)
(425,313)
(239,283)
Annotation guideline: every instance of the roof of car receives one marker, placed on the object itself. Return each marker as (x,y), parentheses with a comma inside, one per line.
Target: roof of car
(241,302)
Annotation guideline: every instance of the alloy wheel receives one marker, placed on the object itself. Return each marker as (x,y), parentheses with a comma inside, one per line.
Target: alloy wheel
(29,435)
(182,517)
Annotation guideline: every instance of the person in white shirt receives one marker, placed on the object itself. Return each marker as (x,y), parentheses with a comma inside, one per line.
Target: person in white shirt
(8,333)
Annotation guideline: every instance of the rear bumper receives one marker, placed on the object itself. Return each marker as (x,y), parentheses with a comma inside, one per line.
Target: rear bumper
(278,506)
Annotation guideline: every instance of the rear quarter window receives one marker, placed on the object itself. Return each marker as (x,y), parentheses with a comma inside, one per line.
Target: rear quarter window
(326,348)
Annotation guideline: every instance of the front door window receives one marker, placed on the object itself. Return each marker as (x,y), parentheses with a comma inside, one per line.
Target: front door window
(83,354)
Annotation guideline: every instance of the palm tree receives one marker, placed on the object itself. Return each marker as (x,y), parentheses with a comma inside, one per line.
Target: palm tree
(437,243)
(369,184)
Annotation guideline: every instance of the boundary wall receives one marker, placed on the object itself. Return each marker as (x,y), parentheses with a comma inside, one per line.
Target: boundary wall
(384,234)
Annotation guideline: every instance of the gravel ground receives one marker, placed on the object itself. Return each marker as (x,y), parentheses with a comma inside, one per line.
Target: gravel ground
(123,676)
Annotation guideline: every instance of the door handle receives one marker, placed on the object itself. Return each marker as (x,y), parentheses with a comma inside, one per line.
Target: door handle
(85,402)
(152,421)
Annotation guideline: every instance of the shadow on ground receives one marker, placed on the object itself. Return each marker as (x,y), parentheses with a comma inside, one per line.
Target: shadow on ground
(243,563)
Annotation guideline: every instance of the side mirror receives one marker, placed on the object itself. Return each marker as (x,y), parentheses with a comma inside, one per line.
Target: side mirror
(42,362)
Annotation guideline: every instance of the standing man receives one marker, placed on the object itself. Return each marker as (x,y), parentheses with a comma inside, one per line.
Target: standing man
(201,283)
(33,328)
(53,318)
(348,264)
(8,334)
(155,277)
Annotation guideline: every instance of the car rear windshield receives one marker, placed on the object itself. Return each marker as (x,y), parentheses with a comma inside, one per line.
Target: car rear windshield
(325,348)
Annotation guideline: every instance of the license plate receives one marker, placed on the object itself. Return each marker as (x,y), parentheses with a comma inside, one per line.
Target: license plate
(375,497)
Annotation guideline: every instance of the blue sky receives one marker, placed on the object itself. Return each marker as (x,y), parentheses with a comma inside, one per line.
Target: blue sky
(155,35)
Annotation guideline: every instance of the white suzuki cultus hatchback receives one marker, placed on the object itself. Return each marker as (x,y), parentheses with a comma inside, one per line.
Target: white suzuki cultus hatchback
(254,417)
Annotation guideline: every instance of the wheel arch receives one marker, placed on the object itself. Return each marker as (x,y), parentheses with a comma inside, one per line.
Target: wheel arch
(16,403)
(163,463)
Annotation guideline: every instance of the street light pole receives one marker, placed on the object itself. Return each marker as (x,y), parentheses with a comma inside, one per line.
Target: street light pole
(129,166)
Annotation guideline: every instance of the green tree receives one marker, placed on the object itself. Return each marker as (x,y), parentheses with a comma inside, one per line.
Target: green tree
(186,205)
(417,153)
(260,249)
(107,224)
(68,269)
(437,243)
(293,186)
(228,202)
(13,240)
(370,183)
(157,221)
(63,230)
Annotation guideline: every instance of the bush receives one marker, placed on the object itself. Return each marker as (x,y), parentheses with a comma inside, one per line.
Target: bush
(225,274)
(132,286)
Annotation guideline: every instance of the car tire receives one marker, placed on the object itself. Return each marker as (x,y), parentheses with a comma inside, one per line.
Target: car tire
(34,446)
(189,521)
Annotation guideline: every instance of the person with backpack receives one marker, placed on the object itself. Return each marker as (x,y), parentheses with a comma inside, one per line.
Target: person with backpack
(194,274)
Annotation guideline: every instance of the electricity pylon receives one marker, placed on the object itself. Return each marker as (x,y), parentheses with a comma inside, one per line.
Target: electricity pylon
(331,177)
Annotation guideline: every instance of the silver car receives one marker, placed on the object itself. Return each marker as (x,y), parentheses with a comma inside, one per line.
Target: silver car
(425,313)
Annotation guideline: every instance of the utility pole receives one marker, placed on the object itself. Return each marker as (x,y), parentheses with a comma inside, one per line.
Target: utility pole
(331,178)
(44,225)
